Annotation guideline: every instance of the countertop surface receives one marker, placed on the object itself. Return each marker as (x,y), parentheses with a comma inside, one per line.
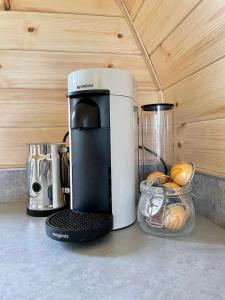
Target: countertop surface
(126,264)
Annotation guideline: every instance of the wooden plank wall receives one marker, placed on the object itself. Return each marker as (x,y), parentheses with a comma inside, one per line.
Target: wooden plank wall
(41,42)
(186,43)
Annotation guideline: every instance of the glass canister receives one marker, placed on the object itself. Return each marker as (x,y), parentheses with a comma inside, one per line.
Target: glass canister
(166,211)
(157,137)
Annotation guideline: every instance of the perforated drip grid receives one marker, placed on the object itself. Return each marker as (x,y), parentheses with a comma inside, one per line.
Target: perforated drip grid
(70,219)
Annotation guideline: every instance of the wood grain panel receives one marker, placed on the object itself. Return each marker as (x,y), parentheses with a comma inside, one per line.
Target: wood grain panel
(133,6)
(147,97)
(49,70)
(65,32)
(35,116)
(39,49)
(200,96)
(93,7)
(2,5)
(197,42)
(44,108)
(33,108)
(204,144)
(156,19)
(13,149)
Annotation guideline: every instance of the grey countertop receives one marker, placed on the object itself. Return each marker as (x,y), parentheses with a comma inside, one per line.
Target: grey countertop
(126,264)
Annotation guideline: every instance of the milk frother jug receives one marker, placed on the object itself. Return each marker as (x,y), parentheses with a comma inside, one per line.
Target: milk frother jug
(45,178)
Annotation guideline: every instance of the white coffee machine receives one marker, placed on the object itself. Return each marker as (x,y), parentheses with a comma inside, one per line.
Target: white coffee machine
(103,136)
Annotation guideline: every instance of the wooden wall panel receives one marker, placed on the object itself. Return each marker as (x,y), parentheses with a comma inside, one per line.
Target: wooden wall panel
(200,118)
(133,6)
(43,41)
(14,143)
(49,70)
(204,144)
(156,19)
(36,116)
(190,65)
(195,43)
(33,108)
(146,97)
(65,32)
(200,96)
(186,44)
(93,7)
(2,6)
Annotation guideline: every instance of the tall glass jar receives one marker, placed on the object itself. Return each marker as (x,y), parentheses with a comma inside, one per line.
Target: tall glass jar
(166,211)
(157,137)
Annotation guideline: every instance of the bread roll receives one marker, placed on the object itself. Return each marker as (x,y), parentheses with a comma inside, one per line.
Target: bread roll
(159,177)
(175,217)
(182,172)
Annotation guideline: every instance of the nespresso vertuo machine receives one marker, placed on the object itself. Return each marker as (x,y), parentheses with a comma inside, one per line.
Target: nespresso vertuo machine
(103,156)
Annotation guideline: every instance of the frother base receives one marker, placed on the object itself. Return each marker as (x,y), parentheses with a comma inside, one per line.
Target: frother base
(78,227)
(43,213)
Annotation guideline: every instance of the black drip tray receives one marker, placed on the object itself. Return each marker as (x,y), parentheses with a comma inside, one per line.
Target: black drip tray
(74,226)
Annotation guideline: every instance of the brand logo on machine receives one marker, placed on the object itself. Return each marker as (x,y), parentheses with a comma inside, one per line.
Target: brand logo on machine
(89,85)
(60,235)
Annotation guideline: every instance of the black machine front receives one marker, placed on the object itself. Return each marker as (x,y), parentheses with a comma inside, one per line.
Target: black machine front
(90,152)
(90,189)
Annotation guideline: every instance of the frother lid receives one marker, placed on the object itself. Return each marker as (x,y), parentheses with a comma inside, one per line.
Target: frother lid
(118,82)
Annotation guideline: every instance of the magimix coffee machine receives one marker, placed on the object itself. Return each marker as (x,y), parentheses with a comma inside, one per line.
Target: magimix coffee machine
(103,136)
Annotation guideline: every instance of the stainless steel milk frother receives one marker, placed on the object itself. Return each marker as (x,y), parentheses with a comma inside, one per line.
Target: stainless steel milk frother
(47,169)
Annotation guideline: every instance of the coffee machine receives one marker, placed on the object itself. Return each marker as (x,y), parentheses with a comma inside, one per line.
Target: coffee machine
(103,137)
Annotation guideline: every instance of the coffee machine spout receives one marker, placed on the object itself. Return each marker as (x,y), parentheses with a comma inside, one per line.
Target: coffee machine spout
(85,115)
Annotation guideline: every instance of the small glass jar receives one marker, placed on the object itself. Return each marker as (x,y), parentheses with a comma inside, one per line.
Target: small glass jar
(166,211)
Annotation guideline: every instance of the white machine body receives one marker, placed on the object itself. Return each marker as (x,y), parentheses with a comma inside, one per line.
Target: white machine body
(123,136)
